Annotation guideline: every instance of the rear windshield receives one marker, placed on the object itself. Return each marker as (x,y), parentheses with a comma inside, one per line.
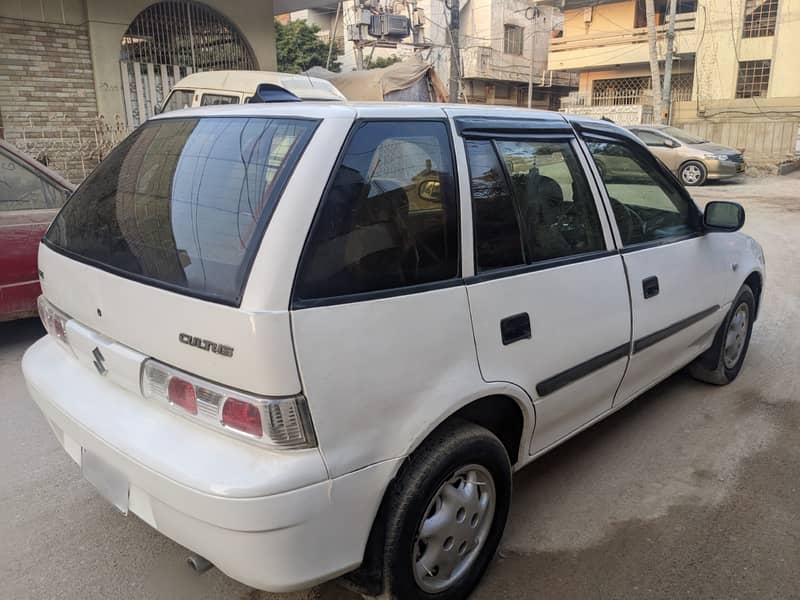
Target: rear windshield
(183,202)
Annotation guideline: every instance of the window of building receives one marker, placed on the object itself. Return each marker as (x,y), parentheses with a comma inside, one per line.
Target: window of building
(661,11)
(647,206)
(760,17)
(502,91)
(530,202)
(512,39)
(390,217)
(753,78)
(636,90)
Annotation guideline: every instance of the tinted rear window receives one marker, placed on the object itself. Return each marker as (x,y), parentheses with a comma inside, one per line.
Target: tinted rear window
(183,202)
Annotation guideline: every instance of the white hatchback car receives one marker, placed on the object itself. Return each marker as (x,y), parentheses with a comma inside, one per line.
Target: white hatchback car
(307,339)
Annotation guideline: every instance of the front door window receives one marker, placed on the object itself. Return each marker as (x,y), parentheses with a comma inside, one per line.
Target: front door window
(647,205)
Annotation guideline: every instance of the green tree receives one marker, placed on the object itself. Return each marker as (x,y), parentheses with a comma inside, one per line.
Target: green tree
(299,48)
(380,62)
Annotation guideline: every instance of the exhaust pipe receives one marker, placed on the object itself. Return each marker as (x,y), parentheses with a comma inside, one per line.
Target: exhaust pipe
(198,564)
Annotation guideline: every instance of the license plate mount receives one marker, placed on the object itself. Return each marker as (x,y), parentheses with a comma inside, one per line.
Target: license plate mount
(111,484)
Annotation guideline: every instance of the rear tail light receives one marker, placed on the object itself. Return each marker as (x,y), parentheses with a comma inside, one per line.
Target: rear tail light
(181,393)
(242,416)
(283,423)
(54,321)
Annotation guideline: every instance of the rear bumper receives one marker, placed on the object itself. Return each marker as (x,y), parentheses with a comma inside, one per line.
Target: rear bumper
(237,505)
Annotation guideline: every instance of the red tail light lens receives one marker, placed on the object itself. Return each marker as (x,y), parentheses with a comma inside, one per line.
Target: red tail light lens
(282,423)
(242,416)
(181,393)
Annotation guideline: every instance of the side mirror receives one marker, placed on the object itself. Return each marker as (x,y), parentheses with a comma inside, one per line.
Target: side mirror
(723,216)
(671,144)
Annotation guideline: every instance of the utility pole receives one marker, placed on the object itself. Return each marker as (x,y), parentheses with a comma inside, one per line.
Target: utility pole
(655,73)
(455,54)
(530,74)
(333,35)
(668,62)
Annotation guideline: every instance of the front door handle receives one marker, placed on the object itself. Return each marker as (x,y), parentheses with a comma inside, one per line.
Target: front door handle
(515,328)
(650,287)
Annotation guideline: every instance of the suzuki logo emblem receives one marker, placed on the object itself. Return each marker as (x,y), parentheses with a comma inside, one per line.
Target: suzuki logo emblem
(99,361)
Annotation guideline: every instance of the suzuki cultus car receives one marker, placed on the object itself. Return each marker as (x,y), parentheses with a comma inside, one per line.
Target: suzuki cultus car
(306,340)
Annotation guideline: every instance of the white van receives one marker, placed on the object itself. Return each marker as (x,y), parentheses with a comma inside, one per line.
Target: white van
(214,88)
(308,339)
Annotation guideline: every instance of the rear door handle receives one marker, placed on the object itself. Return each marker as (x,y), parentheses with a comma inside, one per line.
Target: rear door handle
(515,328)
(650,287)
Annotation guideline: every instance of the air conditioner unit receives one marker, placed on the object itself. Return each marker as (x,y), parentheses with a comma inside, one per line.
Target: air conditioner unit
(391,26)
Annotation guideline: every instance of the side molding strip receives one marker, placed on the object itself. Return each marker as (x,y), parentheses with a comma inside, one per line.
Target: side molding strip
(556,382)
(663,334)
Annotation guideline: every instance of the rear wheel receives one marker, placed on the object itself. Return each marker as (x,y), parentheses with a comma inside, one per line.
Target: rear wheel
(693,173)
(721,363)
(446,514)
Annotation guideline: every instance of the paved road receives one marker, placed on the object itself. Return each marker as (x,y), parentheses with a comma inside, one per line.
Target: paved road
(691,491)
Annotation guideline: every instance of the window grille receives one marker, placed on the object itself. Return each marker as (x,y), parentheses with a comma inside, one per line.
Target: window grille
(760,17)
(636,90)
(753,78)
(180,32)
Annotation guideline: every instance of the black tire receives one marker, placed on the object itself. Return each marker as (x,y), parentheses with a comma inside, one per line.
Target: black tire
(711,366)
(693,173)
(438,459)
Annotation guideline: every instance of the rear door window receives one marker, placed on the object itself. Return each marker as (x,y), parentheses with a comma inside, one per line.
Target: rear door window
(183,202)
(531,203)
(390,217)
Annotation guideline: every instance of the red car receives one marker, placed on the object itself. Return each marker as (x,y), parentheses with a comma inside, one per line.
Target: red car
(30,196)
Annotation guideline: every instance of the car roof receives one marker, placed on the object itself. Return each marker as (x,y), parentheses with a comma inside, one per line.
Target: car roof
(35,164)
(393,110)
(399,110)
(246,82)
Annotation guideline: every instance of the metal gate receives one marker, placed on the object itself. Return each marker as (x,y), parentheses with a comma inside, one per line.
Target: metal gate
(172,39)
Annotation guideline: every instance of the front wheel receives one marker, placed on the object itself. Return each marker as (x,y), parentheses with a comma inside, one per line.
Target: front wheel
(721,363)
(446,514)
(693,173)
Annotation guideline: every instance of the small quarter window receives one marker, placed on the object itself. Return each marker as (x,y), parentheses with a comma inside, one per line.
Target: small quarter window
(647,206)
(390,217)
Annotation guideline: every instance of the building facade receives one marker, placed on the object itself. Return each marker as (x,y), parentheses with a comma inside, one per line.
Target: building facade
(77,75)
(498,43)
(735,79)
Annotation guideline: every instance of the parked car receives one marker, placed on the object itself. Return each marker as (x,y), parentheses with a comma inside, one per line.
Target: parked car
(694,160)
(308,339)
(30,195)
(214,88)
